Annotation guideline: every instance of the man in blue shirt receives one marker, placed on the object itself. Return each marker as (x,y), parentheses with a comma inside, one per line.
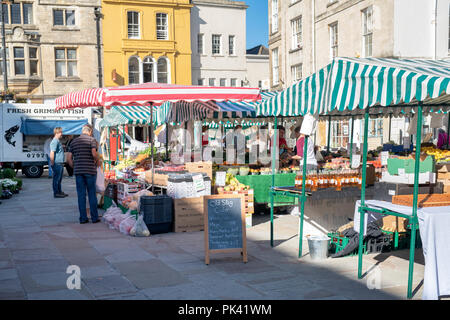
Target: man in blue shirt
(57,162)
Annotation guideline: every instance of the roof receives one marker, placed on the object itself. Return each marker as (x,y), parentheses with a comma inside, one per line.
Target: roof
(347,86)
(258,50)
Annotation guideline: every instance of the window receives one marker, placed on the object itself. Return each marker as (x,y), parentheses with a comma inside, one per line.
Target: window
(7,60)
(200,47)
(19,61)
(201,82)
(133,70)
(274,16)
(231,45)
(66,62)
(212,82)
(223,82)
(367,31)
(375,128)
(27,13)
(296,26)
(339,134)
(33,58)
(333,40)
(149,69)
(233,82)
(216,44)
(6,13)
(163,70)
(296,72)
(63,17)
(133,25)
(16,16)
(275,67)
(162,26)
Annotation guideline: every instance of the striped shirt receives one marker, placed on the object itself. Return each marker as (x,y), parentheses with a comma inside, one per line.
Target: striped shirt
(83,160)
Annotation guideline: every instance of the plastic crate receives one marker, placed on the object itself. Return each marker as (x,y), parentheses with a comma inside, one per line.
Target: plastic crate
(380,244)
(338,243)
(158,213)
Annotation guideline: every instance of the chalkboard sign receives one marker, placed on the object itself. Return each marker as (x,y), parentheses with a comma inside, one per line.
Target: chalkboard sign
(225,224)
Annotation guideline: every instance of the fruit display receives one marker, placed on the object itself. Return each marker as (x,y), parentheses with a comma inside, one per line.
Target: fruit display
(243,171)
(266,171)
(337,163)
(232,184)
(285,170)
(441,156)
(123,164)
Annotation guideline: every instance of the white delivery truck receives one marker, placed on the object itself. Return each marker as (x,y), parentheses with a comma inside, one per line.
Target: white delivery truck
(24,129)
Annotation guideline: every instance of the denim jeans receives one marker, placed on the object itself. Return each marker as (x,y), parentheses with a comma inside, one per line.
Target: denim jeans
(50,173)
(86,182)
(57,169)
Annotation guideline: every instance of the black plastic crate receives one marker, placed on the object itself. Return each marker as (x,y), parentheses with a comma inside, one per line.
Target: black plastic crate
(380,244)
(111,191)
(156,228)
(157,209)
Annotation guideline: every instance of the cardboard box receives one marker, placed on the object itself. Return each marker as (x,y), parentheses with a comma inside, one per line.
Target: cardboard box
(395,189)
(249,199)
(201,167)
(159,179)
(443,175)
(447,188)
(444,168)
(188,214)
(393,223)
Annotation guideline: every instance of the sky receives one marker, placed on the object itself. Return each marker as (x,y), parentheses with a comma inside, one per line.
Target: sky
(257,23)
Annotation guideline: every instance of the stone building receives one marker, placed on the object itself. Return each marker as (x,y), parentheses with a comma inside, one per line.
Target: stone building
(258,68)
(218,35)
(304,35)
(51,47)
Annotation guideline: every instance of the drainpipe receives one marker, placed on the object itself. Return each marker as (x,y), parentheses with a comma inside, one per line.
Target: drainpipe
(313,29)
(5,75)
(98,17)
(435,29)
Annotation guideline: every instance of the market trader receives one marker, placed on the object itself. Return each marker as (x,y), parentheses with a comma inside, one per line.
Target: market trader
(57,163)
(83,157)
(311,161)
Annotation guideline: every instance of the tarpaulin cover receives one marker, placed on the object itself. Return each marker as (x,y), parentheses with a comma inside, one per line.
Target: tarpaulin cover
(45,127)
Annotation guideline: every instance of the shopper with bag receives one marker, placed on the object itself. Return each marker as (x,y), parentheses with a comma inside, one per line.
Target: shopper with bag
(83,157)
(99,185)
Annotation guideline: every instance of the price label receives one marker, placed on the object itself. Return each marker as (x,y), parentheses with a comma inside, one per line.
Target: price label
(356,161)
(220,178)
(384,157)
(199,184)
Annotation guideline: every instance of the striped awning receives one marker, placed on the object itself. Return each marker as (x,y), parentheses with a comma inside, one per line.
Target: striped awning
(347,86)
(130,115)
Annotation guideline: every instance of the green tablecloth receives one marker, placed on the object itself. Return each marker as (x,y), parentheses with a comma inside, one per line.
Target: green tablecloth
(262,183)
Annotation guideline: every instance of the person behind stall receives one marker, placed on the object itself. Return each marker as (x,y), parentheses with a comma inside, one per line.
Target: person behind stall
(57,163)
(66,148)
(204,136)
(284,151)
(311,161)
(443,139)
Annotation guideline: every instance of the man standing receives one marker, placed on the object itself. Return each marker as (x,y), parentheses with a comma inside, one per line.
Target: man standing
(57,163)
(47,154)
(83,157)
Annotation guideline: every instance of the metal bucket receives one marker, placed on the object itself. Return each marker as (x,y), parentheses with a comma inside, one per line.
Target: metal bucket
(318,247)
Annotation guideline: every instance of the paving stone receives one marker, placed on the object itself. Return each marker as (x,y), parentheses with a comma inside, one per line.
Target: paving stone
(132,254)
(149,274)
(4,254)
(109,285)
(111,246)
(44,266)
(186,291)
(35,255)
(7,274)
(60,295)
(98,271)
(133,296)
(71,244)
(11,288)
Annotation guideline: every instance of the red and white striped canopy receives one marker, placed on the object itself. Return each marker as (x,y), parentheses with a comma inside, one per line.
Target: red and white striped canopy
(155,94)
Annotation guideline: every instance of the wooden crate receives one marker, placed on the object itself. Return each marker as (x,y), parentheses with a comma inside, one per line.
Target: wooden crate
(188,214)
(249,199)
(200,167)
(424,200)
(159,180)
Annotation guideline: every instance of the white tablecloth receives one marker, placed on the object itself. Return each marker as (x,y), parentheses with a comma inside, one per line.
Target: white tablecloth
(434,226)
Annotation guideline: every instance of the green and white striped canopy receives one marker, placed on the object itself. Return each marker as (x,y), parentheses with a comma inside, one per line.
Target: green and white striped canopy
(349,85)
(134,115)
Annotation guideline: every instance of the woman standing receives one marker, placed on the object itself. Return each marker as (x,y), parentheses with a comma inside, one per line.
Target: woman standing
(311,162)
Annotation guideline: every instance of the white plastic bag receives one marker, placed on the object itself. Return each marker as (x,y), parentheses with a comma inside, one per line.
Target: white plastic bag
(140,229)
(100,182)
(110,215)
(126,225)
(118,218)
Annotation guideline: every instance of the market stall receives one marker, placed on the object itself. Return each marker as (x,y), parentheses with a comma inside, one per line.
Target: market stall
(359,87)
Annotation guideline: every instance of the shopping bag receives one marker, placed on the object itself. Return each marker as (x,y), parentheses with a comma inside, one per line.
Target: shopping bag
(140,229)
(100,183)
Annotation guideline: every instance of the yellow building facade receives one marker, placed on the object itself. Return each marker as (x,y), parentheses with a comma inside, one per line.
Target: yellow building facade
(146,41)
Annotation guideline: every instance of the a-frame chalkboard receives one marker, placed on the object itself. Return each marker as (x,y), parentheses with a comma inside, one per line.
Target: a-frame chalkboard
(225,224)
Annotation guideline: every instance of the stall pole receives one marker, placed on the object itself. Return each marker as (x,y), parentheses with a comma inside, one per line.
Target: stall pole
(274,142)
(413,221)
(109,150)
(351,140)
(448,123)
(167,141)
(117,143)
(363,193)
(329,134)
(151,141)
(123,142)
(303,199)
(390,126)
